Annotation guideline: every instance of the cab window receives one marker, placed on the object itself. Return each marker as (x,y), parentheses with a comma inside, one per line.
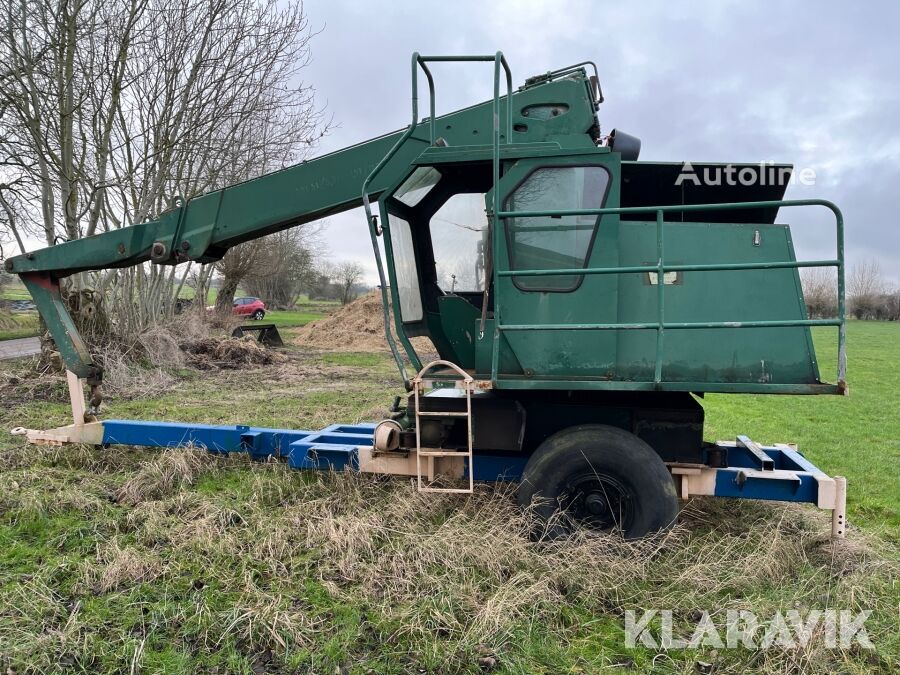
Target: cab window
(417,185)
(551,242)
(459,231)
(405,269)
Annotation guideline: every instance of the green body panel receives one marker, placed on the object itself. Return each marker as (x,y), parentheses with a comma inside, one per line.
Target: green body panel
(730,355)
(484,350)
(737,355)
(459,324)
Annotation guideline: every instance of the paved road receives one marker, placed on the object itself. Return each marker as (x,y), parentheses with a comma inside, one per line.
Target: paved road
(14,349)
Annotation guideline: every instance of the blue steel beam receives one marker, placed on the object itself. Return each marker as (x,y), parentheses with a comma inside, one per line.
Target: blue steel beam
(743,479)
(260,442)
(335,448)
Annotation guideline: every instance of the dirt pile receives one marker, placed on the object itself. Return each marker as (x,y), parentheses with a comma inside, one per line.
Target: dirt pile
(211,353)
(358,326)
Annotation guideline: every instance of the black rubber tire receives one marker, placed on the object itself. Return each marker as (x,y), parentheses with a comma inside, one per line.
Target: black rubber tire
(258,315)
(600,453)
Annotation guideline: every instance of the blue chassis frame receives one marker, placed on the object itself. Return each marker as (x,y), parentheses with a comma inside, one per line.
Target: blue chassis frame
(336,447)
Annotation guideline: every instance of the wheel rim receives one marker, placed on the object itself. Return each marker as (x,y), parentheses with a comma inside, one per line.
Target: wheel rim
(258,315)
(598,501)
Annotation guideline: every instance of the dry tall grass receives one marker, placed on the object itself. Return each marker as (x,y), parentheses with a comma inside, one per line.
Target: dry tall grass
(226,553)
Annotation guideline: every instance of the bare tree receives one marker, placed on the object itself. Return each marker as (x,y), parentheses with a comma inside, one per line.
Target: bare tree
(865,278)
(287,264)
(107,110)
(891,305)
(200,280)
(864,286)
(10,207)
(235,266)
(819,291)
(346,275)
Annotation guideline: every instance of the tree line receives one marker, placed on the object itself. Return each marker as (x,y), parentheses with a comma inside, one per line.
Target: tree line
(283,266)
(868,293)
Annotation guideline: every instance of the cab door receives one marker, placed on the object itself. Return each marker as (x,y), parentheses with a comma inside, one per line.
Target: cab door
(564,182)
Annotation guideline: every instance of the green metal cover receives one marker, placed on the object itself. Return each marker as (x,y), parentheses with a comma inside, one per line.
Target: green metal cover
(777,355)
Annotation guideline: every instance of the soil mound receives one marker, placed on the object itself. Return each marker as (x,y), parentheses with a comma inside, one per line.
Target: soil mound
(358,326)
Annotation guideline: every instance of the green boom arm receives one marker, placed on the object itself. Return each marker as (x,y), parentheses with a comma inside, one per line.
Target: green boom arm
(205,227)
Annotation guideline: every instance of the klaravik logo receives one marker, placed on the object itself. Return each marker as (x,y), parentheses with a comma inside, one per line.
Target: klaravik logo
(656,629)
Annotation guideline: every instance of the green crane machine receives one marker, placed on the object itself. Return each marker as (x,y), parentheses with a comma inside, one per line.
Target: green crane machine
(581,302)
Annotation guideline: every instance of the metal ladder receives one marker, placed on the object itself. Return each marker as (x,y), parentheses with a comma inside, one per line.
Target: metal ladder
(464,381)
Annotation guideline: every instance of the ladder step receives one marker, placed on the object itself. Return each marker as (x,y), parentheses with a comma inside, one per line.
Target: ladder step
(468,385)
(442,414)
(456,384)
(466,491)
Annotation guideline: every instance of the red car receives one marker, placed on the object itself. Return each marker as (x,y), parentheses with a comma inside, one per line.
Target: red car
(252,307)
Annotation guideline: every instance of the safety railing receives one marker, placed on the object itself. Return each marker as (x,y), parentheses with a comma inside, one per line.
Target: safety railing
(660,269)
(419,61)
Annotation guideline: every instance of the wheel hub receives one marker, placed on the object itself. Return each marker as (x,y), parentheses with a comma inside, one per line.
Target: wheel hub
(595,504)
(599,501)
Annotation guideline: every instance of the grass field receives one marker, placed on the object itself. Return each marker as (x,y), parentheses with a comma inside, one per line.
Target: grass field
(857,436)
(292,318)
(25,324)
(14,291)
(178,561)
(18,325)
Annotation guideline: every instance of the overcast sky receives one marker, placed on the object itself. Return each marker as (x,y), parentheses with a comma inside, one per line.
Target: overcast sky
(811,83)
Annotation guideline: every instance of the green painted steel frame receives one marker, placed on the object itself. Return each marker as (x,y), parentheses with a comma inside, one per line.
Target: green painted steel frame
(660,325)
(418,61)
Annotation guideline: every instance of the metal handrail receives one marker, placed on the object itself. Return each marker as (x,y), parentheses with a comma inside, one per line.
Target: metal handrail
(417,62)
(499,61)
(661,268)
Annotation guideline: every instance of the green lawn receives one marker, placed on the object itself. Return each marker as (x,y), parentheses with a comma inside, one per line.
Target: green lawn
(189,293)
(304,303)
(291,318)
(25,324)
(857,436)
(14,291)
(18,325)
